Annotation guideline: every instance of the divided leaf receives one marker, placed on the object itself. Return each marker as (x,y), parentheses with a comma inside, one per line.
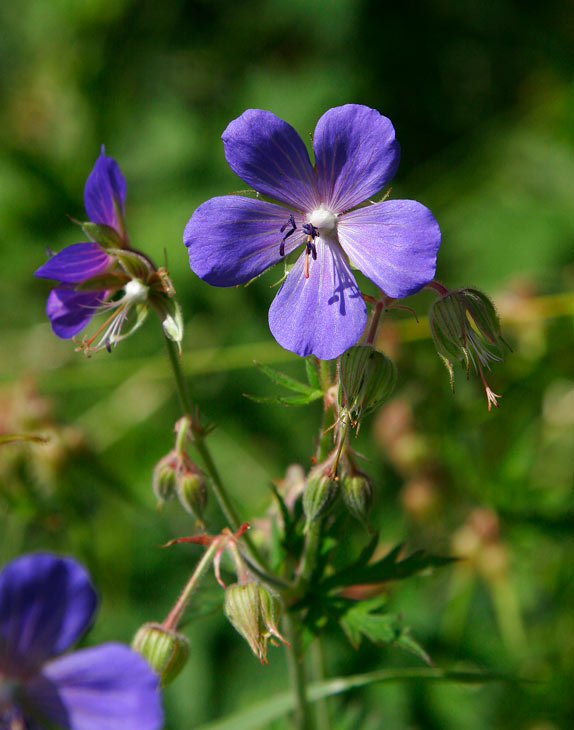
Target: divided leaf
(305,393)
(389,568)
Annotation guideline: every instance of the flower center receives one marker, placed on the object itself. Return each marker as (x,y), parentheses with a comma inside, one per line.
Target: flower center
(323,219)
(135,291)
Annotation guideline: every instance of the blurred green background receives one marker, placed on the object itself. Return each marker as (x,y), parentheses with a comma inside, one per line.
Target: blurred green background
(482,98)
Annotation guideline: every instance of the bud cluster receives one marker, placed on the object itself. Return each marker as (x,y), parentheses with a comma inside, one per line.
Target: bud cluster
(176,475)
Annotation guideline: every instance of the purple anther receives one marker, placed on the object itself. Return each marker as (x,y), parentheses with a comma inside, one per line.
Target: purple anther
(290,222)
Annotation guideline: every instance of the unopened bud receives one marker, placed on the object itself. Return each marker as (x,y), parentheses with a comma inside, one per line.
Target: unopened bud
(192,491)
(367,379)
(358,494)
(320,494)
(166,651)
(164,479)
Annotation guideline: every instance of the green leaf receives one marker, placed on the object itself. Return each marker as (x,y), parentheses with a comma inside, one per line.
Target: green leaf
(286,400)
(364,620)
(261,714)
(391,567)
(312,374)
(285,380)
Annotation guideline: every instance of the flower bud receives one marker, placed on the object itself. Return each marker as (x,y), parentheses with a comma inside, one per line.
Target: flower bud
(358,494)
(164,479)
(167,651)
(465,326)
(367,379)
(320,494)
(192,491)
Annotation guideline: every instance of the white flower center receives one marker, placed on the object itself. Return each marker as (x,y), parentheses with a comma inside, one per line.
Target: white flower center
(135,291)
(323,219)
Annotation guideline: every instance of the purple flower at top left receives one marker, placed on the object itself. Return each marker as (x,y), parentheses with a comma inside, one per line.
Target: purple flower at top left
(68,309)
(105,274)
(46,603)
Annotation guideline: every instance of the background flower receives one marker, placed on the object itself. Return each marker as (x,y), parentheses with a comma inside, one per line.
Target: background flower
(46,603)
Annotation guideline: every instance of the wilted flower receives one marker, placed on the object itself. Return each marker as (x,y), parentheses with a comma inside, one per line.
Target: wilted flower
(105,274)
(319,308)
(46,603)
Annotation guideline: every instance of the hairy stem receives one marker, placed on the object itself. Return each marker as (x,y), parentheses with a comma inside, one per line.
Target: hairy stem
(297,675)
(174,616)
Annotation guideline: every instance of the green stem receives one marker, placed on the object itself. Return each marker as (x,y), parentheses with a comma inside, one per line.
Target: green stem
(310,551)
(216,482)
(174,616)
(318,671)
(297,677)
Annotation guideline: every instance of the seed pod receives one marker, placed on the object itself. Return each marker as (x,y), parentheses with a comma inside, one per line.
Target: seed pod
(164,478)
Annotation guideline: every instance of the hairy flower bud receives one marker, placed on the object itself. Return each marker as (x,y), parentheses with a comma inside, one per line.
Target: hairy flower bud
(167,651)
(320,493)
(358,493)
(367,379)
(164,479)
(465,327)
(191,490)
(254,610)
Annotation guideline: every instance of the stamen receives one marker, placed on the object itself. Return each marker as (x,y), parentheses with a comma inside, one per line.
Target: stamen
(290,222)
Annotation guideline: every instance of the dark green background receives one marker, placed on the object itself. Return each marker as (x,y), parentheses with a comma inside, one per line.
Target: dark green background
(482,98)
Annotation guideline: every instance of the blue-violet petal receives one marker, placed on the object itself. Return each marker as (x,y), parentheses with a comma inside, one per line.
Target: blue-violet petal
(356,155)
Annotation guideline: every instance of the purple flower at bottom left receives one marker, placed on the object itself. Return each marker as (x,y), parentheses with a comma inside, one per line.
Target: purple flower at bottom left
(46,603)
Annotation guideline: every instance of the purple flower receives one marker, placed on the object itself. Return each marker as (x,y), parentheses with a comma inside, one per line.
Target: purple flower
(319,308)
(69,310)
(46,603)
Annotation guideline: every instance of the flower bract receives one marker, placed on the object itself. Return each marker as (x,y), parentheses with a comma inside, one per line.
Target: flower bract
(319,308)
(46,603)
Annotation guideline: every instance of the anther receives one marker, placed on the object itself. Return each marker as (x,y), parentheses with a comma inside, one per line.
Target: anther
(290,222)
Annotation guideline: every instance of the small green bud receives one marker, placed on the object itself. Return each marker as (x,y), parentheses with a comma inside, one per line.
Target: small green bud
(164,479)
(358,493)
(167,651)
(367,378)
(320,494)
(192,491)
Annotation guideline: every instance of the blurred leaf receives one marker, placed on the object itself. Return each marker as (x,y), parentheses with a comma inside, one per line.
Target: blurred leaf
(9,438)
(287,400)
(391,567)
(312,374)
(285,380)
(261,714)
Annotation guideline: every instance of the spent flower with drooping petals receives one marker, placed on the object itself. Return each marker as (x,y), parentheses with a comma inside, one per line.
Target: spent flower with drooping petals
(319,308)
(46,603)
(105,274)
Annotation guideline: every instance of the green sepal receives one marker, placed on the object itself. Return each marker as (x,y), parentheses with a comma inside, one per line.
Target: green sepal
(103,282)
(106,236)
